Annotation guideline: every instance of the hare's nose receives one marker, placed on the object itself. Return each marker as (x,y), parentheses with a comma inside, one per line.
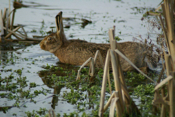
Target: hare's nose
(49,38)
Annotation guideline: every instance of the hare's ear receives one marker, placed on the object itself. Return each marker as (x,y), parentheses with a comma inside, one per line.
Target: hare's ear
(59,24)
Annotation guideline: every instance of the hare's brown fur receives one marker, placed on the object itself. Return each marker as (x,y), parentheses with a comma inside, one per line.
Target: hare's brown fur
(76,52)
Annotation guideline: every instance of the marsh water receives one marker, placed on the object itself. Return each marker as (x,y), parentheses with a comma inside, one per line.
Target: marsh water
(38,19)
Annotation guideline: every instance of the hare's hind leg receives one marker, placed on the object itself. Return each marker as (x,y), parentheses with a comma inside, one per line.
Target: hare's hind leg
(92,64)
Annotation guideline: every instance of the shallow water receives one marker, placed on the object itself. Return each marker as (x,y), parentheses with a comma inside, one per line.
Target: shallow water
(40,17)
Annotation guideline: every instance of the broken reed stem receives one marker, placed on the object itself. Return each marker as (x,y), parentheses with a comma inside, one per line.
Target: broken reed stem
(11,12)
(167,63)
(117,81)
(124,57)
(86,62)
(111,36)
(109,83)
(4,14)
(162,114)
(129,101)
(6,21)
(14,33)
(13,17)
(115,46)
(92,68)
(9,18)
(163,82)
(114,103)
(171,85)
(103,89)
(95,58)
(109,101)
(1,23)
(169,9)
(14,30)
(164,32)
(160,75)
(98,54)
(172,95)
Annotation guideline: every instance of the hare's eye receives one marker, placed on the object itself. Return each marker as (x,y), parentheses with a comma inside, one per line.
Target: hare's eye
(49,38)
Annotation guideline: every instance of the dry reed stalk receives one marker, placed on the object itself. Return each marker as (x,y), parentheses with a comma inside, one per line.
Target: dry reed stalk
(86,62)
(109,82)
(163,109)
(111,37)
(33,39)
(6,21)
(9,14)
(163,82)
(158,8)
(119,69)
(118,108)
(24,32)
(123,99)
(92,68)
(51,113)
(109,101)
(4,14)
(171,85)
(158,99)
(92,64)
(130,105)
(117,81)
(114,102)
(12,21)
(167,63)
(98,54)
(105,73)
(172,95)
(1,23)
(15,34)
(164,14)
(122,79)
(164,32)
(124,57)
(153,13)
(170,28)
(9,34)
(160,75)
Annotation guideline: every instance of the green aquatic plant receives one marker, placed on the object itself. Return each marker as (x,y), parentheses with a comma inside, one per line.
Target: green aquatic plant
(118,38)
(42,28)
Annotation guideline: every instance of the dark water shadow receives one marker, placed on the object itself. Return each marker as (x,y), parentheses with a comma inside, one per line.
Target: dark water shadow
(66,70)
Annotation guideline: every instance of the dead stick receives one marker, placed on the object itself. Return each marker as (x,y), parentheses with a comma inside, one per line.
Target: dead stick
(124,57)
(13,17)
(160,75)
(117,81)
(24,32)
(14,30)
(15,33)
(103,90)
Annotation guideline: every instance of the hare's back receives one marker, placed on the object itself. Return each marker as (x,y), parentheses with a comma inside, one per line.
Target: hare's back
(77,53)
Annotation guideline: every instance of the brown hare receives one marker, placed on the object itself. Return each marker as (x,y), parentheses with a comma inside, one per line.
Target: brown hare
(76,52)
